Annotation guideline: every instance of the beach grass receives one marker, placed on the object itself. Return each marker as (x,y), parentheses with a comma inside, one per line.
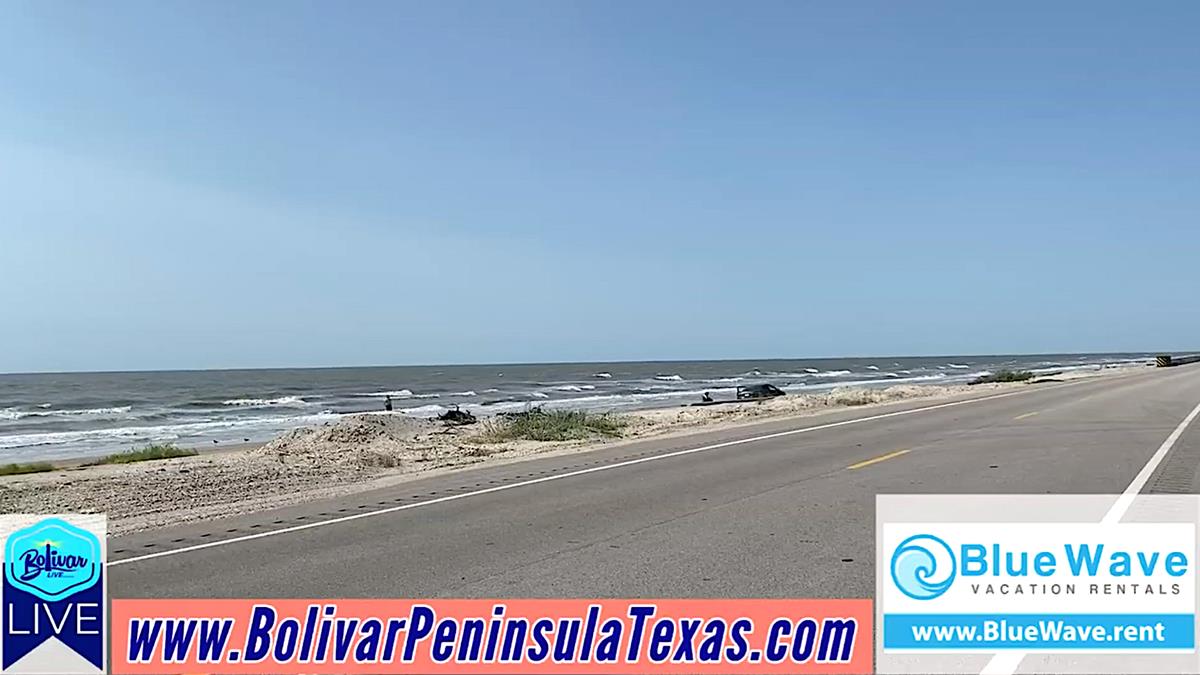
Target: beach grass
(538,424)
(148,453)
(1004,376)
(18,469)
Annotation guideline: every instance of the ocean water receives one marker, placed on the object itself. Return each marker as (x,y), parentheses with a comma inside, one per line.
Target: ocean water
(62,415)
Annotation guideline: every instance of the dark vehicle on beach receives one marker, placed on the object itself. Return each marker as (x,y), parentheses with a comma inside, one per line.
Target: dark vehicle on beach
(750,392)
(457,417)
(754,392)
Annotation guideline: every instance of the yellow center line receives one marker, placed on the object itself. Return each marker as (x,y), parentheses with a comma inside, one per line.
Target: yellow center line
(878,459)
(1021,417)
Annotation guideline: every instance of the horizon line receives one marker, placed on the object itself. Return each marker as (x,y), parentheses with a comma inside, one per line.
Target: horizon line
(589,362)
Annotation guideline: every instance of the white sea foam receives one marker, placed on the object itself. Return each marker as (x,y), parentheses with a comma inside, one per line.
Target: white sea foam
(872,367)
(606,401)
(1065,369)
(158,433)
(424,410)
(264,402)
(602,375)
(538,394)
(669,378)
(833,373)
(575,387)
(461,393)
(811,370)
(13,414)
(866,383)
(958,366)
(399,393)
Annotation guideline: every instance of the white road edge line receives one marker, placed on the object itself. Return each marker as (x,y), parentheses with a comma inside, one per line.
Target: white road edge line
(1006,663)
(569,474)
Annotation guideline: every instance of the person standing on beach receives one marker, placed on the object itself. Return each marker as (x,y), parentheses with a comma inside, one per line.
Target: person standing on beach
(387,405)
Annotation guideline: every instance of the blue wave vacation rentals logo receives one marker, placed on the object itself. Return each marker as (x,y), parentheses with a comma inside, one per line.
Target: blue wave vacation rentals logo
(923,567)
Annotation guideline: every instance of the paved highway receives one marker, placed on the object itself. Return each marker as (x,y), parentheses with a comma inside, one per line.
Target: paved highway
(780,509)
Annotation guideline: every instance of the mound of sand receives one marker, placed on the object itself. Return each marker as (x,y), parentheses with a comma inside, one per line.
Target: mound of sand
(358,441)
(857,396)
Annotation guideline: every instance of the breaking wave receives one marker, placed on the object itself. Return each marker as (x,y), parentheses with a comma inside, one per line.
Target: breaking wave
(888,379)
(265,402)
(404,393)
(424,410)
(13,414)
(656,387)
(668,378)
(157,433)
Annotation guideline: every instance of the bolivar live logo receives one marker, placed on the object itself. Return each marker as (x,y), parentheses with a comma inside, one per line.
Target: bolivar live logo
(53,594)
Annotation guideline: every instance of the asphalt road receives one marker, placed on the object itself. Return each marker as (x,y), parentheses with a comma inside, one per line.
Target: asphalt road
(788,515)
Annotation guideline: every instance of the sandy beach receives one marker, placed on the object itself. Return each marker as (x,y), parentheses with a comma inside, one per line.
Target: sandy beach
(371,450)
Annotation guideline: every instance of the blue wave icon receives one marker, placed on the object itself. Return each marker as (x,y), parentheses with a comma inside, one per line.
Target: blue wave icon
(923,567)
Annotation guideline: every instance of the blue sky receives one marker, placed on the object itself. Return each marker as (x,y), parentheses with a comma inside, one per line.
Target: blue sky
(192,185)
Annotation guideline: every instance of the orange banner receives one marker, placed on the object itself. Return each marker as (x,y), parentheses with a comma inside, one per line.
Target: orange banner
(513,637)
